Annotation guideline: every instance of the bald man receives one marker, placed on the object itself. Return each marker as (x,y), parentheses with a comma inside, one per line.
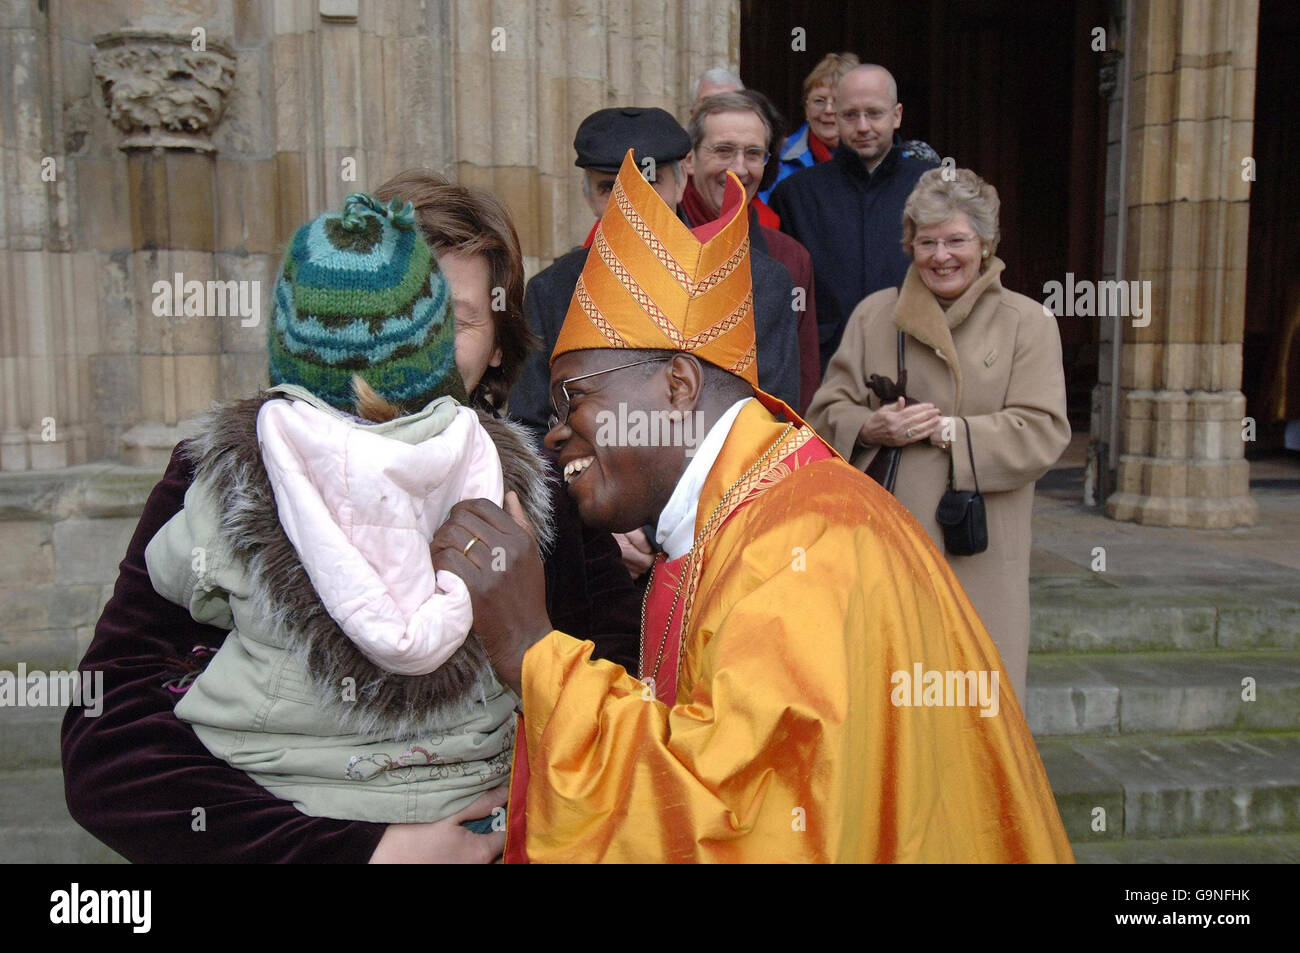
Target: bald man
(848,212)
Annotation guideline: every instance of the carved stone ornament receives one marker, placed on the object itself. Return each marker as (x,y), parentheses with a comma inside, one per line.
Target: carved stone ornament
(162,92)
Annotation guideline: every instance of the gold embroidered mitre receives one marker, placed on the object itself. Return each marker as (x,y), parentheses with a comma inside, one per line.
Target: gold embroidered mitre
(650,282)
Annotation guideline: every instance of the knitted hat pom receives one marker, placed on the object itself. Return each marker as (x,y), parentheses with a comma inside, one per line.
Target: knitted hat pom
(360,292)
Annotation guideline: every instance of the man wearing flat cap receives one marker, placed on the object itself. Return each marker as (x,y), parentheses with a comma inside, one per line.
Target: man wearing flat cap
(800,633)
(658,143)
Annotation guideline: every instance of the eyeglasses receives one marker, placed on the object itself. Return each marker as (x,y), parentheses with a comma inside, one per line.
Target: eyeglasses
(851,116)
(726,151)
(822,102)
(560,408)
(957,243)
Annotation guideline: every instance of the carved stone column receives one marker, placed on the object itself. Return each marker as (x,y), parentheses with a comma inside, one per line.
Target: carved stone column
(1190,125)
(166,97)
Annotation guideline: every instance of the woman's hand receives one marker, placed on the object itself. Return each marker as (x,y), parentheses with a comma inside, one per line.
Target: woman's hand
(900,423)
(445,841)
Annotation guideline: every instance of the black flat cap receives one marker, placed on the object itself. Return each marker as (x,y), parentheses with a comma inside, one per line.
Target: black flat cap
(605,136)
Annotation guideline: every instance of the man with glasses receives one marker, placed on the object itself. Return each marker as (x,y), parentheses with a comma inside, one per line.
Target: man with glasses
(765,721)
(848,212)
(659,143)
(733,132)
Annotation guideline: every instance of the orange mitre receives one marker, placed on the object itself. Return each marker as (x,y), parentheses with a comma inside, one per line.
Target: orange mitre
(652,283)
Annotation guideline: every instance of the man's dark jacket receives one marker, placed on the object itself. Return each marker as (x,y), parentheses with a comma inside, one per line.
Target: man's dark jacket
(851,222)
(784,249)
(546,301)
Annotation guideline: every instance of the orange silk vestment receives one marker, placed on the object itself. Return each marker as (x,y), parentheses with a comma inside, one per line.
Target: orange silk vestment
(790,736)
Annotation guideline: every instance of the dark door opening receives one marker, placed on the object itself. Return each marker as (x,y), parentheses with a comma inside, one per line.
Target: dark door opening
(1270,374)
(1008,89)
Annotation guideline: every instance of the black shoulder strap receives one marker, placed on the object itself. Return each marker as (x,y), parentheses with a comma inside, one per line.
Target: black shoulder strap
(902,370)
(970,449)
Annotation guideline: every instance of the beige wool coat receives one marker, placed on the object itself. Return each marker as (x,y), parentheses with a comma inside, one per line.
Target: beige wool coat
(994,358)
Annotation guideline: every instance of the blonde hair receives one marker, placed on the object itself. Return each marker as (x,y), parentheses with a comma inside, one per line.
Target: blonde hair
(830,70)
(370,405)
(942,193)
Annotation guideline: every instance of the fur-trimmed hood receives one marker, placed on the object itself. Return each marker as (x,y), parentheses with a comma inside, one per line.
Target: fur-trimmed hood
(227,458)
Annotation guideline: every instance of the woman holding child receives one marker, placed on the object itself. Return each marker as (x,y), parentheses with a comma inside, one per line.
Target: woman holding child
(350,690)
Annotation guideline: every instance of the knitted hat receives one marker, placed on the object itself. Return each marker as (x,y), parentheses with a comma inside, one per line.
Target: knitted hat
(361,293)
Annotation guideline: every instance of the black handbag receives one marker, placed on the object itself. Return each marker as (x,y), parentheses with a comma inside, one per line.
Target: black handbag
(883,467)
(961,513)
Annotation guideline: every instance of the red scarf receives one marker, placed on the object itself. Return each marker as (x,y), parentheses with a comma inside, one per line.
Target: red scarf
(821,152)
(765,215)
(697,210)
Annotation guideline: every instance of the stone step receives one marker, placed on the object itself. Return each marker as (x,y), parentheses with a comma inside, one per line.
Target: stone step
(35,826)
(1145,786)
(29,737)
(1257,849)
(1176,692)
(1096,614)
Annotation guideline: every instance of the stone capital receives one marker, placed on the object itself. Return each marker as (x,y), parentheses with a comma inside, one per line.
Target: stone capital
(160,90)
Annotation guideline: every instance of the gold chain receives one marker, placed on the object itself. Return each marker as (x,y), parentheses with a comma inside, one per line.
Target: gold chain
(697,546)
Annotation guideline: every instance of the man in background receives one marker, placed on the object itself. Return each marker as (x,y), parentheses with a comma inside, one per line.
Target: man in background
(734,132)
(848,212)
(714,81)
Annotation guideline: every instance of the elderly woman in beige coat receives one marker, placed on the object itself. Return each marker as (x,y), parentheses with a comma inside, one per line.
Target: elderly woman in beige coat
(974,352)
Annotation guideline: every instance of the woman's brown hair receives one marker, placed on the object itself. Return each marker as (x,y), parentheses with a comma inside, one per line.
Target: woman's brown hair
(454,218)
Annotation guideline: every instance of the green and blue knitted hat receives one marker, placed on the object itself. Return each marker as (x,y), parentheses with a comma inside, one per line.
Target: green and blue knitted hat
(361,293)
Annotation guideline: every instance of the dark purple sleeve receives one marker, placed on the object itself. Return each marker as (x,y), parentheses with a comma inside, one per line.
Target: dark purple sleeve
(134,775)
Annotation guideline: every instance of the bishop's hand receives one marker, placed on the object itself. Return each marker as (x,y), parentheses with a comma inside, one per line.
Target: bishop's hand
(497,558)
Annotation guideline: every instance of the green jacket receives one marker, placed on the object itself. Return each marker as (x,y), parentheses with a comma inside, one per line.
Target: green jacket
(288,698)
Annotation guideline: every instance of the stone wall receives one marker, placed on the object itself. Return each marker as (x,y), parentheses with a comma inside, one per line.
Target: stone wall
(62,534)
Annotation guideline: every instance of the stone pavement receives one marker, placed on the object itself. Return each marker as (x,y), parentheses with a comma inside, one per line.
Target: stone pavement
(1164,677)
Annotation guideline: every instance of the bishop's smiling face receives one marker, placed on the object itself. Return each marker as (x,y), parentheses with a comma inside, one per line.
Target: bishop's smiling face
(617,488)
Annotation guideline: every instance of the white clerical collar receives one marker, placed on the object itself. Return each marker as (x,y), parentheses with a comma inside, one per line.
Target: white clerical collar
(676,529)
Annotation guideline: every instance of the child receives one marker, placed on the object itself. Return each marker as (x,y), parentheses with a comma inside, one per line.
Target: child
(349,683)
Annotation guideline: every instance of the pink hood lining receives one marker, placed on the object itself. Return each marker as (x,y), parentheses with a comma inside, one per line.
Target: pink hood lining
(360,509)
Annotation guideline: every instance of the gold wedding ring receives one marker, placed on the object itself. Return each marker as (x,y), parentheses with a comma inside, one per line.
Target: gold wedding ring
(473,540)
